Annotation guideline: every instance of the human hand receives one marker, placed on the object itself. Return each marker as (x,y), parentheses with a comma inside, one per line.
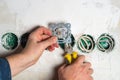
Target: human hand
(79,70)
(38,41)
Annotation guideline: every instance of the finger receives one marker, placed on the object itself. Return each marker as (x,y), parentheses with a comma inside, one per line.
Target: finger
(80,60)
(43,37)
(36,35)
(90,71)
(40,38)
(62,67)
(43,30)
(48,42)
(87,65)
(51,48)
(56,45)
(90,78)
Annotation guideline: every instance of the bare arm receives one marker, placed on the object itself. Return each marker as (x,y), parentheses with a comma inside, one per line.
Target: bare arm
(38,41)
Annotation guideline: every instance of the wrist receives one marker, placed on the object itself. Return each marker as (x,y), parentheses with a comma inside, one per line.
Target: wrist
(29,59)
(19,62)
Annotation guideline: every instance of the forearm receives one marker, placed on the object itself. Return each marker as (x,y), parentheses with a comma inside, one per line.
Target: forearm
(19,62)
(37,42)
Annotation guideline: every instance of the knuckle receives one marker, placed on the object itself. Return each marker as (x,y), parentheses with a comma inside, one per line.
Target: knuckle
(60,69)
(90,71)
(88,64)
(31,36)
(82,69)
(81,57)
(42,27)
(75,65)
(91,78)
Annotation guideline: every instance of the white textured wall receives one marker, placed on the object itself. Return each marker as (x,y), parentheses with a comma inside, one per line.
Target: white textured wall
(93,17)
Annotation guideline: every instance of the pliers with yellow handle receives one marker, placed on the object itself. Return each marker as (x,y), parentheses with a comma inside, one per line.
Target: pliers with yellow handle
(70,55)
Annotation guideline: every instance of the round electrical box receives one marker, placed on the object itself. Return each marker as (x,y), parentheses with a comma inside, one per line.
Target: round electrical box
(86,43)
(105,43)
(9,41)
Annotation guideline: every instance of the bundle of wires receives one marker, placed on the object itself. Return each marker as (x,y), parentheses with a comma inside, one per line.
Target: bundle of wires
(86,43)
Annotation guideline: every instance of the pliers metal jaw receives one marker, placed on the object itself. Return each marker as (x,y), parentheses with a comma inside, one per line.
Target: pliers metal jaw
(70,55)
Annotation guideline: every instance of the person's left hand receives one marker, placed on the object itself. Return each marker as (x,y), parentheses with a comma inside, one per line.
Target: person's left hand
(38,41)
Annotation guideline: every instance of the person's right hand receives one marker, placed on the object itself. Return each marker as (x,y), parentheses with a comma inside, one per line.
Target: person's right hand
(79,70)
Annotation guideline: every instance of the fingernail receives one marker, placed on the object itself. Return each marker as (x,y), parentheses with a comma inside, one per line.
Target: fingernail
(54,39)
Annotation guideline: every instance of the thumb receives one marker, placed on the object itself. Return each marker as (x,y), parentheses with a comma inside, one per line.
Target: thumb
(46,43)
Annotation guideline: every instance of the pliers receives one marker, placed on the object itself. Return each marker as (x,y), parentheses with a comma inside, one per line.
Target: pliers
(70,55)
